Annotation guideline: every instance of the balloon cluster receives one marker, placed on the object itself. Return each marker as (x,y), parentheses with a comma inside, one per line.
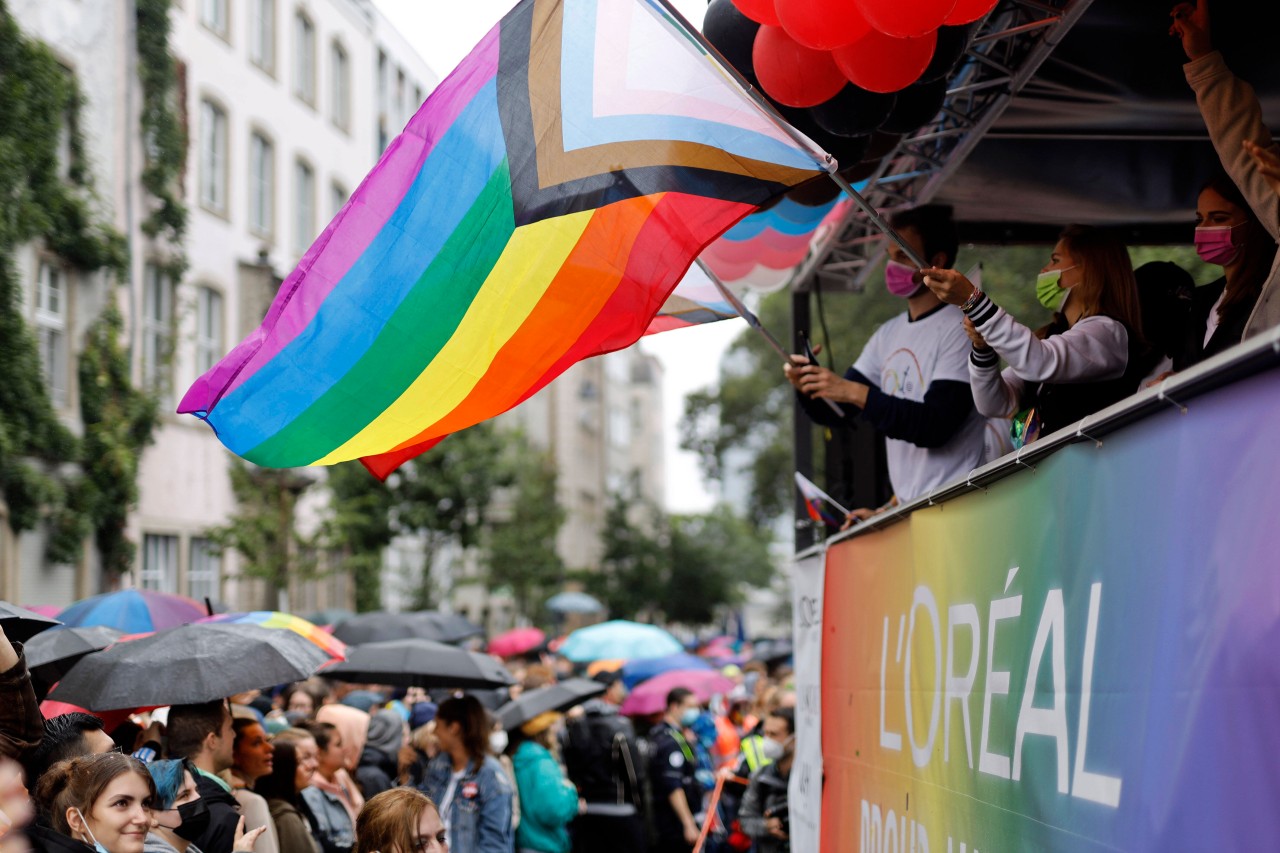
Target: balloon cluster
(853,75)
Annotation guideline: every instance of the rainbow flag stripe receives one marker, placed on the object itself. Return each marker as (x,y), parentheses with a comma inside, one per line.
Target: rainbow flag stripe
(538,210)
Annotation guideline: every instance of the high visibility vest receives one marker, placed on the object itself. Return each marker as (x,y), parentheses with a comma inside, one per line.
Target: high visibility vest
(753,752)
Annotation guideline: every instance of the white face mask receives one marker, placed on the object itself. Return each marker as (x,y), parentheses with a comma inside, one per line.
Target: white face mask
(498,742)
(774,750)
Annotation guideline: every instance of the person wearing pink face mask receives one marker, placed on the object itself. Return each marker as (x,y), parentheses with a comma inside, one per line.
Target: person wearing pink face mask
(912,379)
(1230,236)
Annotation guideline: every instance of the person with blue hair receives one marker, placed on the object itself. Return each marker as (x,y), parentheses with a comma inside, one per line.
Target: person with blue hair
(180,815)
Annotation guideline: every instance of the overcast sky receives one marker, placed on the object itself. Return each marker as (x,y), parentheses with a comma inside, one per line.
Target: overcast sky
(444,31)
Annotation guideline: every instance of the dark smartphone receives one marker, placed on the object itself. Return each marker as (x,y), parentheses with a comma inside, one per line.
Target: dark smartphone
(808,348)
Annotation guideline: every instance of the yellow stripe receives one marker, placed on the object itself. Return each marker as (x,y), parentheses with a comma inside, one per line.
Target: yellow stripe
(513,287)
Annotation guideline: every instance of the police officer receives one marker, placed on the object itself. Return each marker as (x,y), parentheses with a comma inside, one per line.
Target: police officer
(672,764)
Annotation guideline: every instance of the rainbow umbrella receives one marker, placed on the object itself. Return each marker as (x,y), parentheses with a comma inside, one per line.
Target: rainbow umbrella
(331,645)
(134,611)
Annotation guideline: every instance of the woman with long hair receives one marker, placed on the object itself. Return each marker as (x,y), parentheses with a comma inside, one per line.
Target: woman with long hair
(328,801)
(473,792)
(401,820)
(1090,356)
(94,802)
(180,816)
(1229,235)
(294,761)
(252,756)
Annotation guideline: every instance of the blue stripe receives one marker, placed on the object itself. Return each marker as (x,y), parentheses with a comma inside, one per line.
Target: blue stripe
(355,312)
(581,129)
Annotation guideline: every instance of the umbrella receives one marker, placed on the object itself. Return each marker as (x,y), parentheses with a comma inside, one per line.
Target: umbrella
(650,697)
(51,654)
(553,697)
(643,669)
(50,610)
(418,663)
(193,663)
(134,611)
(380,626)
(604,665)
(517,641)
(771,652)
(21,624)
(330,616)
(331,645)
(619,639)
(574,602)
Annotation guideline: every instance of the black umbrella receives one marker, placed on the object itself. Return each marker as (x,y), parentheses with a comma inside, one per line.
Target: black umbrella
(21,624)
(418,663)
(194,663)
(451,627)
(379,627)
(52,654)
(553,697)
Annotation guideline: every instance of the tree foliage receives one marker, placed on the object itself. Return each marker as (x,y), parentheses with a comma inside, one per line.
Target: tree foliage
(520,546)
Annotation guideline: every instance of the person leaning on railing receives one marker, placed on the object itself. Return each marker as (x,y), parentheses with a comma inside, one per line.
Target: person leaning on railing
(1090,356)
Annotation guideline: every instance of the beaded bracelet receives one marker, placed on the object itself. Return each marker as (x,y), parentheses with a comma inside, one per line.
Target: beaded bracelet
(971,301)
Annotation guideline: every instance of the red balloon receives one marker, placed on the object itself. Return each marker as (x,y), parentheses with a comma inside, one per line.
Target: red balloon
(791,73)
(906,19)
(968,11)
(881,63)
(760,11)
(821,24)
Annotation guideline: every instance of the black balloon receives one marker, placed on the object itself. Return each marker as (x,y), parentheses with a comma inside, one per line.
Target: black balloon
(853,112)
(916,105)
(859,171)
(815,191)
(951,46)
(881,144)
(733,34)
(846,149)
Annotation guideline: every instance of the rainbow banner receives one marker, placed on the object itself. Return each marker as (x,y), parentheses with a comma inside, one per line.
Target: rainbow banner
(537,210)
(1083,657)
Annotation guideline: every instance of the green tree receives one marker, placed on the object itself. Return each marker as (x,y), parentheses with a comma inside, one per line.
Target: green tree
(520,548)
(635,561)
(359,529)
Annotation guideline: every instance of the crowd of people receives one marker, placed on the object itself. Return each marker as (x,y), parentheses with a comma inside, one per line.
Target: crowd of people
(930,378)
(323,766)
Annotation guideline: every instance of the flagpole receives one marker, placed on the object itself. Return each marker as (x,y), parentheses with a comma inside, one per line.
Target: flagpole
(829,164)
(754,322)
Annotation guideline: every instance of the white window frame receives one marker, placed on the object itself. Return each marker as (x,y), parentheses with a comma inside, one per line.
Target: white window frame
(215,155)
(304,57)
(338,196)
(262,35)
(157,331)
(210,326)
(158,568)
(52,313)
(204,570)
(304,205)
(340,85)
(215,15)
(262,184)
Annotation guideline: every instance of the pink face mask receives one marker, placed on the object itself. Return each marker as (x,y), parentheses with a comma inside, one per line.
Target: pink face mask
(1216,244)
(900,279)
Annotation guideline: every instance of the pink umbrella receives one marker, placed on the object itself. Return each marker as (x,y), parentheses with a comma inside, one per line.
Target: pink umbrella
(517,641)
(650,697)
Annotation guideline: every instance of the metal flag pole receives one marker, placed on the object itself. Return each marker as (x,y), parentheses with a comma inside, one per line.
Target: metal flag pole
(822,158)
(754,322)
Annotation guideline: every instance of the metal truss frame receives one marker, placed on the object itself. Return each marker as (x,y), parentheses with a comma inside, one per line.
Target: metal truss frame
(1010,46)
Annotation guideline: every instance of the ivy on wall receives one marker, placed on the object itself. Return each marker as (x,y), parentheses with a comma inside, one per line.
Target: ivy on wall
(163,134)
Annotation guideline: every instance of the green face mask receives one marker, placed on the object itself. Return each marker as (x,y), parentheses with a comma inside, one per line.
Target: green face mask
(1048,290)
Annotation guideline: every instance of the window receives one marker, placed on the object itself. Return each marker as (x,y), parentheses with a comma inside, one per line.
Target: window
(159,563)
(157,330)
(213,157)
(208,329)
(204,574)
(338,196)
(51,330)
(304,58)
(213,14)
(341,94)
(262,34)
(400,96)
(262,184)
(304,203)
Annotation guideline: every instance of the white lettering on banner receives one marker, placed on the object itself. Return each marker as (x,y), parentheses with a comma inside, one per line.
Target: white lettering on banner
(805,789)
(949,688)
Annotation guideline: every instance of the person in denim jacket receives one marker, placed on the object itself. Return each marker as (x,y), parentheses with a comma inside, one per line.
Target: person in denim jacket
(468,784)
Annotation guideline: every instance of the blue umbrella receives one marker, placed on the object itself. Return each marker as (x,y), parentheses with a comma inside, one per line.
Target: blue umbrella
(642,670)
(574,602)
(621,640)
(134,611)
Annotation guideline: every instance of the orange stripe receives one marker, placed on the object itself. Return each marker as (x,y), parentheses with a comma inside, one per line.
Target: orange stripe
(574,299)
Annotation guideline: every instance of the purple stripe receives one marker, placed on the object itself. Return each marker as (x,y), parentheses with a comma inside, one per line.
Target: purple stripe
(355,226)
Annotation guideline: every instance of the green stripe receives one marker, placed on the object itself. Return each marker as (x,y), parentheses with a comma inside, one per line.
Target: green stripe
(409,341)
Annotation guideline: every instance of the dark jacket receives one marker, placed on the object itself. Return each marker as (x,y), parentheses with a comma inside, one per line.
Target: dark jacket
(21,725)
(44,839)
(672,765)
(766,797)
(376,772)
(1064,403)
(224,816)
(603,758)
(1229,332)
